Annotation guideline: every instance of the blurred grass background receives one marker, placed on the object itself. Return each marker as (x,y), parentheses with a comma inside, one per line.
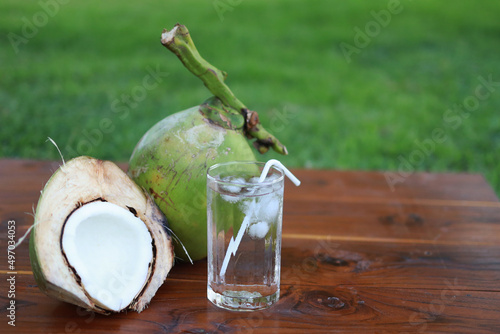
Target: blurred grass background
(67,68)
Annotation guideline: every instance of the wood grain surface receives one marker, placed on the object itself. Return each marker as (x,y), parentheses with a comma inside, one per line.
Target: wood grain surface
(357,257)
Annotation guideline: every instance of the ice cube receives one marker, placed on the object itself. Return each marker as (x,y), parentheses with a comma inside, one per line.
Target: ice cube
(230,198)
(258,230)
(233,187)
(268,207)
(254,179)
(272,177)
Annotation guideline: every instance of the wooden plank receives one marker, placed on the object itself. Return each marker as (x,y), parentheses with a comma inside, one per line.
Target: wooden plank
(340,185)
(330,261)
(405,223)
(357,257)
(335,211)
(359,186)
(179,307)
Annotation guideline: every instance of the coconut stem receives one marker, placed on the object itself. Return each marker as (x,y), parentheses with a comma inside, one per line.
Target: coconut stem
(180,43)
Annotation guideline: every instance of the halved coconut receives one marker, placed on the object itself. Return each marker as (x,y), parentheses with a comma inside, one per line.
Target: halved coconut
(99,241)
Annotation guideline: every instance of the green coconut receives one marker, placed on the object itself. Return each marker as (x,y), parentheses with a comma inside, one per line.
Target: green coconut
(99,241)
(172,158)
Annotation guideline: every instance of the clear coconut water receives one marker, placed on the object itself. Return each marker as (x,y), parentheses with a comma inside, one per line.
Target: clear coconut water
(244,238)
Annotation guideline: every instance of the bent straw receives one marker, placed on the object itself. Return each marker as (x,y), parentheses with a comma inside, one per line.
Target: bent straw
(235,243)
(274,162)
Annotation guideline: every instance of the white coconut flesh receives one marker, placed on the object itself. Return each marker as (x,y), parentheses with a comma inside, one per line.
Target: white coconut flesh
(111,251)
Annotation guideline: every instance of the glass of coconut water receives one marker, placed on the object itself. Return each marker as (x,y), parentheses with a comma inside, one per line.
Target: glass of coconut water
(244,235)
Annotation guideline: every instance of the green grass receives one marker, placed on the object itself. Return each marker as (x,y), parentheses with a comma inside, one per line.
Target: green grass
(284,60)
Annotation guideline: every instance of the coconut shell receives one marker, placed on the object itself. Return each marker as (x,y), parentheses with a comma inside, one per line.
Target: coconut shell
(78,182)
(171,162)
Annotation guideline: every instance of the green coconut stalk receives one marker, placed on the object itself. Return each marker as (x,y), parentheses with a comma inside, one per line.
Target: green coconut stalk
(178,40)
(171,159)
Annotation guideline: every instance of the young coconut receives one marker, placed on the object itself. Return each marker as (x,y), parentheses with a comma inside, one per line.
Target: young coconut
(99,241)
(171,159)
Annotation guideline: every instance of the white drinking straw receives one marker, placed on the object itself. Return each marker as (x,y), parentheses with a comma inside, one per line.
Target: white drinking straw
(274,162)
(235,243)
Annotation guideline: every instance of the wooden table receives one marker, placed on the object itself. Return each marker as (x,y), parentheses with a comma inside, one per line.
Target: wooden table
(356,257)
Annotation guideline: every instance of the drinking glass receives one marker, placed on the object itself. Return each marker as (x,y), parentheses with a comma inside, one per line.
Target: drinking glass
(244,235)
